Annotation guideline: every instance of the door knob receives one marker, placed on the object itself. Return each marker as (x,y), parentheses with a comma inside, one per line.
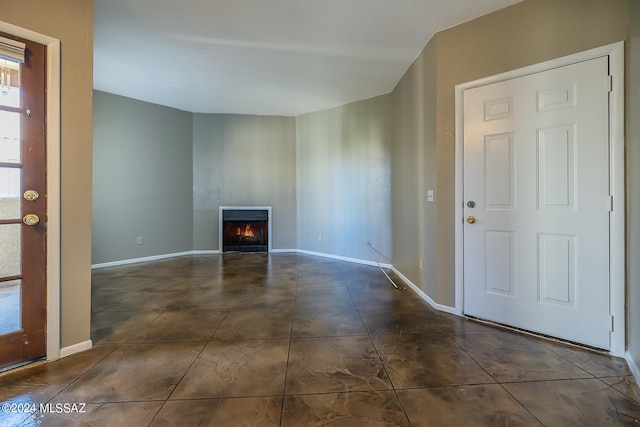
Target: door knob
(31,219)
(471,219)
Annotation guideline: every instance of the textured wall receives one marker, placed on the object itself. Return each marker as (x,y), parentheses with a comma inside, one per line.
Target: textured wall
(343,178)
(633,180)
(142,179)
(241,160)
(413,173)
(526,33)
(71,22)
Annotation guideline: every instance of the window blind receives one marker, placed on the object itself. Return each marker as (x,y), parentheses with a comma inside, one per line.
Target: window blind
(11,50)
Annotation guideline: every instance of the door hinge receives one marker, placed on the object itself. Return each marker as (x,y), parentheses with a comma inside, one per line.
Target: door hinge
(612,324)
(609,83)
(610,203)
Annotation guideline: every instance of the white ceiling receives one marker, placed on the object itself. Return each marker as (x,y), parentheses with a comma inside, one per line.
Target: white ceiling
(269,57)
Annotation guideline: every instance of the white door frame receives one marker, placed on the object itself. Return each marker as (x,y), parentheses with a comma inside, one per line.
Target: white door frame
(617,255)
(53,128)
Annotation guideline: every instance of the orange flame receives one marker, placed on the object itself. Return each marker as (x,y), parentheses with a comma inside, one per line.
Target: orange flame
(247,231)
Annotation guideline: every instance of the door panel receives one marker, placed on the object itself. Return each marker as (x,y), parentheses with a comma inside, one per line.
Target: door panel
(536,164)
(23,246)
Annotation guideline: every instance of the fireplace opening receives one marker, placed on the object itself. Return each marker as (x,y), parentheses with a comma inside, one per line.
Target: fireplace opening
(245,230)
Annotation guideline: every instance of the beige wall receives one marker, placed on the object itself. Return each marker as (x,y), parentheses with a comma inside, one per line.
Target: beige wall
(633,180)
(413,173)
(70,21)
(526,33)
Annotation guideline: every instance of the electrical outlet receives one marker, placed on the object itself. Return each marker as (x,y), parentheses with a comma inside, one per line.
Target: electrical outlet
(319,236)
(139,240)
(421,264)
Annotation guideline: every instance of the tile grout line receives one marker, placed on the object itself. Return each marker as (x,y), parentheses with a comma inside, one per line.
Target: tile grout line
(496,381)
(286,368)
(186,370)
(384,367)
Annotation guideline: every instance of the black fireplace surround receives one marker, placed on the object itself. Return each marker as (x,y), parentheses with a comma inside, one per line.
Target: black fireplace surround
(245,230)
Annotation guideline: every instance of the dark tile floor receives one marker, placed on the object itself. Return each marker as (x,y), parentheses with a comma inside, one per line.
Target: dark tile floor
(295,340)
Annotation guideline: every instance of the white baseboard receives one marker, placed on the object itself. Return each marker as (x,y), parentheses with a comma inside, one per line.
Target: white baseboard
(634,368)
(343,258)
(217,251)
(137,260)
(424,296)
(408,282)
(75,348)
(206,252)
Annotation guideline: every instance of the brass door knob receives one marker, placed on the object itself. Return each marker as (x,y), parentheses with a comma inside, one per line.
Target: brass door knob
(471,219)
(31,219)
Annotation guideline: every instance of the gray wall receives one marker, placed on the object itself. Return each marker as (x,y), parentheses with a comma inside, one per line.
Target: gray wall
(142,179)
(633,180)
(343,179)
(243,160)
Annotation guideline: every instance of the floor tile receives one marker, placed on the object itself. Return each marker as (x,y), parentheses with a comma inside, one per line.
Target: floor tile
(597,364)
(40,382)
(244,411)
(157,301)
(323,296)
(452,323)
(398,318)
(105,414)
(511,357)
(479,405)
(260,297)
(250,338)
(585,402)
(134,372)
(427,360)
(118,326)
(174,326)
(362,409)
(256,323)
(207,298)
(313,321)
(380,293)
(235,369)
(322,365)
(319,277)
(626,385)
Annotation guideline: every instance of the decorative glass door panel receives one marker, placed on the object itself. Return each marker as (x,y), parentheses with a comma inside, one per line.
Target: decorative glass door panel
(22,202)
(10,204)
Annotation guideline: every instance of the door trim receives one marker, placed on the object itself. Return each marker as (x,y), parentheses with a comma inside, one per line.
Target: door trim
(617,255)
(53,180)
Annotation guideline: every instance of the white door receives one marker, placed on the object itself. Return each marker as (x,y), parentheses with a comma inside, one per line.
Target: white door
(536,180)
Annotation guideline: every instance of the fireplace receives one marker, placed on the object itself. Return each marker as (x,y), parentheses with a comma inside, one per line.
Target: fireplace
(245,229)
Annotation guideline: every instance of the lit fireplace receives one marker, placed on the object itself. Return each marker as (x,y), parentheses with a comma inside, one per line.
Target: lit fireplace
(247,234)
(245,230)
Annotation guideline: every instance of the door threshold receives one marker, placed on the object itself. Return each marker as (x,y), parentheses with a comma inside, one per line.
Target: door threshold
(539,335)
(20,365)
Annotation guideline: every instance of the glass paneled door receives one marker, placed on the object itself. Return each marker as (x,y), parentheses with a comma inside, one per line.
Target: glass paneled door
(22,202)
